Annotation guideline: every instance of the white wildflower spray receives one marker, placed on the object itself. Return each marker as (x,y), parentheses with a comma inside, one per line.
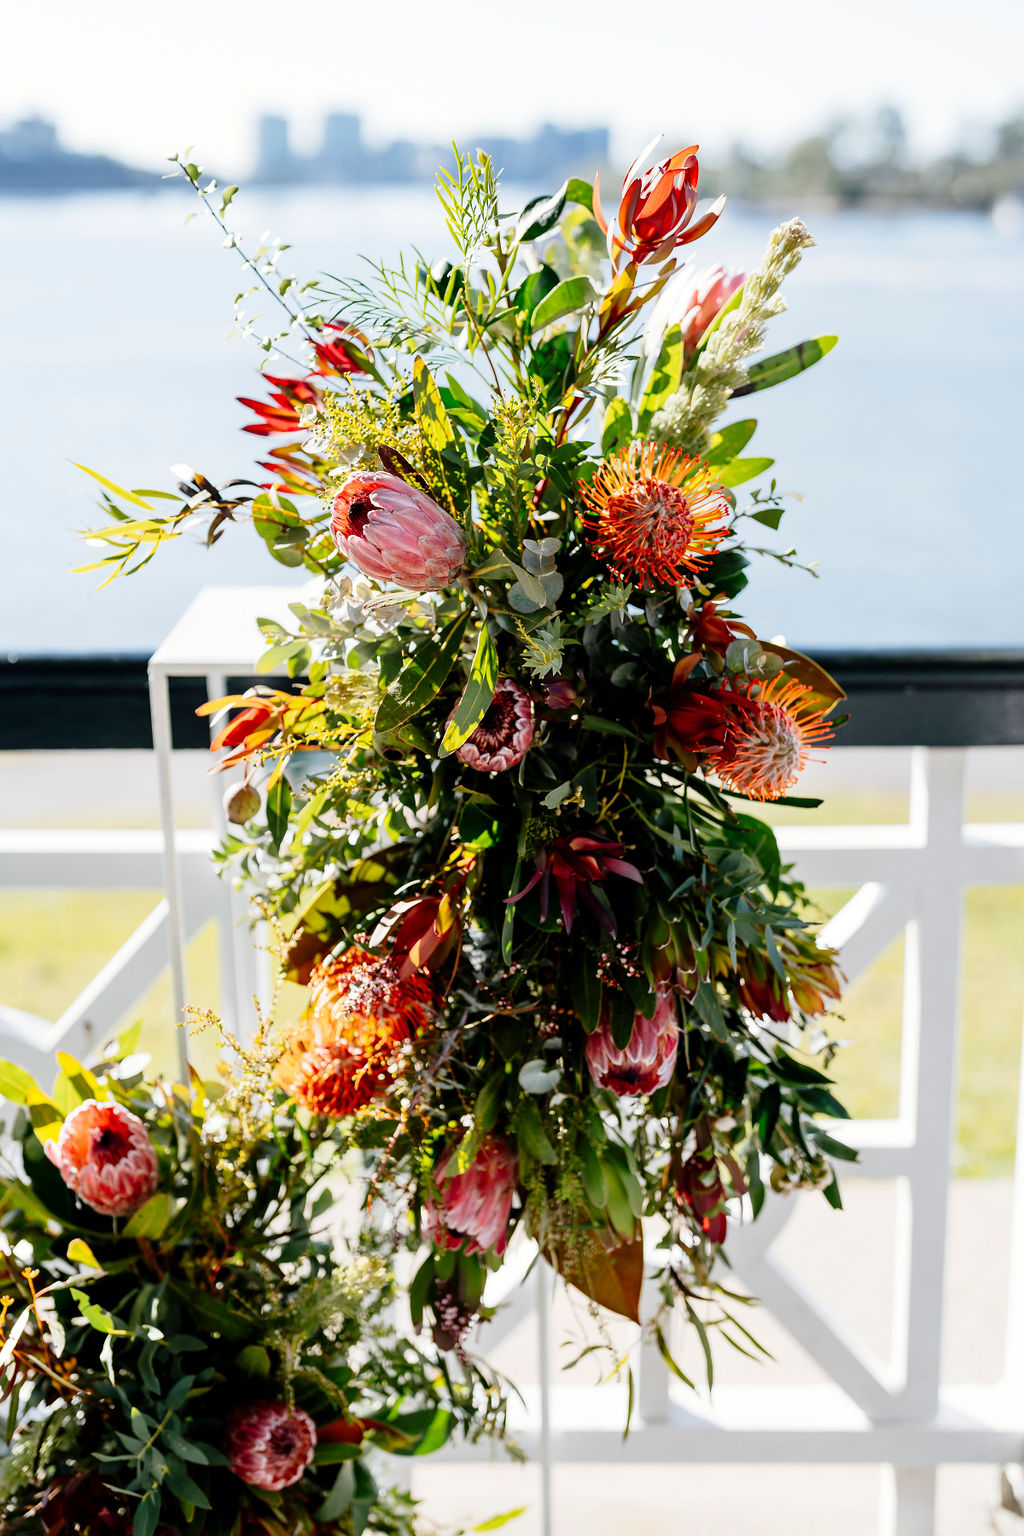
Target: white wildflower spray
(685,419)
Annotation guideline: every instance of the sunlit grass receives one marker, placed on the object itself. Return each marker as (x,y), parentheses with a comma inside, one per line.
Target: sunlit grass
(53,943)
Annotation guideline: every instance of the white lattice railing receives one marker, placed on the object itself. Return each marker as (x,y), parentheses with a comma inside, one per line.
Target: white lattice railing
(909,879)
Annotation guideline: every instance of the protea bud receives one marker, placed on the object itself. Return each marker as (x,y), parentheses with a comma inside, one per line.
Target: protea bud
(475,1205)
(268,1446)
(395,532)
(104,1154)
(647,1062)
(710,291)
(503,736)
(701,1193)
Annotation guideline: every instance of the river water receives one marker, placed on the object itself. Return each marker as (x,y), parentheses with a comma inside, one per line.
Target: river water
(904,444)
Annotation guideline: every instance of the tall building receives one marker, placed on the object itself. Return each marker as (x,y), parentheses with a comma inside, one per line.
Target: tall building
(342,157)
(274,160)
(33,138)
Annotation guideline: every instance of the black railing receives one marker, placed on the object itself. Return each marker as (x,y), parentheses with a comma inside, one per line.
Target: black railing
(896,699)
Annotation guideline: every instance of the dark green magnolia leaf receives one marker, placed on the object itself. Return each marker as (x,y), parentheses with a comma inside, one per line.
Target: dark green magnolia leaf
(534,288)
(566,298)
(541,214)
(785,365)
(476,696)
(665,377)
(421,677)
(577,191)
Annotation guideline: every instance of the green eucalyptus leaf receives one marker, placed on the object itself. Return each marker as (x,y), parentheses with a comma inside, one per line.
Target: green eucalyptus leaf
(566,298)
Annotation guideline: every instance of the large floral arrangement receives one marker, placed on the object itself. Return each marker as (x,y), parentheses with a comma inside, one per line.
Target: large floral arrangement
(183,1345)
(501,819)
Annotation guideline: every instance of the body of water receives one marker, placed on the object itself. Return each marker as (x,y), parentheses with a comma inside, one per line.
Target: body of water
(903,444)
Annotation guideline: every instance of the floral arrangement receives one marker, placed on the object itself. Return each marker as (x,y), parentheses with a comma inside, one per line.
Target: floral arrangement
(182,1345)
(501,816)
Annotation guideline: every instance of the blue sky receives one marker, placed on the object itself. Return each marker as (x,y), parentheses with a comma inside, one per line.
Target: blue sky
(138,80)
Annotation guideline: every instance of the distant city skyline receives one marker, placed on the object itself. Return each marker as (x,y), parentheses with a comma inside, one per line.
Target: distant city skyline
(342,154)
(124,81)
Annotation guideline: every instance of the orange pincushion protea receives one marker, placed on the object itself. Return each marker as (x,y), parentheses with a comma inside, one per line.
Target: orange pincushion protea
(656,515)
(341,1055)
(774,726)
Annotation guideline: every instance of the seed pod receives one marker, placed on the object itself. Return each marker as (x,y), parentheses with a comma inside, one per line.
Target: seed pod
(241,803)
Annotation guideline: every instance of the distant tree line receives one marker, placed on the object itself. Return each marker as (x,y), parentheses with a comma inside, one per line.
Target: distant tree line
(868,161)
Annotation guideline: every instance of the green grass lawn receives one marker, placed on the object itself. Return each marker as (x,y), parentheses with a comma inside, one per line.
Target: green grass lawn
(52,943)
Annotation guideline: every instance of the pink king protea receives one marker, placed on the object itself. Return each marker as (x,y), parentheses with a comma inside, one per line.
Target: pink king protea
(269,1447)
(503,736)
(711,290)
(395,532)
(104,1154)
(476,1204)
(647,1062)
